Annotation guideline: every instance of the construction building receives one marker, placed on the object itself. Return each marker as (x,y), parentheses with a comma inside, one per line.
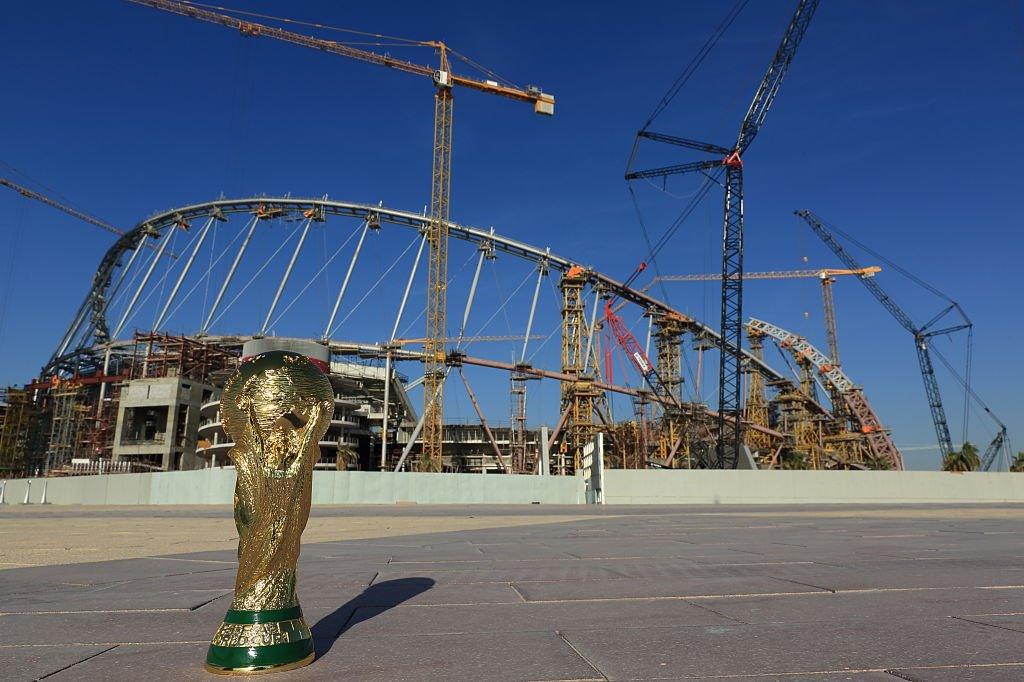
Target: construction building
(108,397)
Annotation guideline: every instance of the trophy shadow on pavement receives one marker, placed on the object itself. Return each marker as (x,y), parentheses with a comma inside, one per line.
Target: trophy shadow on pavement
(375,600)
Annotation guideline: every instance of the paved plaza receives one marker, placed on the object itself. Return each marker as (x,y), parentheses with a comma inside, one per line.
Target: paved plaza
(540,593)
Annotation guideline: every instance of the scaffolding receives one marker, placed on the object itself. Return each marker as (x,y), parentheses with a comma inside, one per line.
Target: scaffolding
(68,423)
(163,355)
(21,437)
(579,395)
(755,409)
(673,439)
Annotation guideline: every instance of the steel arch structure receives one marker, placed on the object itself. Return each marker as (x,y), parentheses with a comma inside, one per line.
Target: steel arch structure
(877,437)
(90,327)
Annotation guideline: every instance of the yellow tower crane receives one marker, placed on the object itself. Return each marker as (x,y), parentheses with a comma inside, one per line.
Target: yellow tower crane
(826,275)
(440,185)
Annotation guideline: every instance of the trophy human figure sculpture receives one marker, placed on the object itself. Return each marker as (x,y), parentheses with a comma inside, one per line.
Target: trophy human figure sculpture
(275,409)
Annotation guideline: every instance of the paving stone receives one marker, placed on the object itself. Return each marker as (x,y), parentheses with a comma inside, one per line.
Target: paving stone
(1011,618)
(834,676)
(151,662)
(534,656)
(472,657)
(589,548)
(111,598)
(481,564)
(528,617)
(110,628)
(659,653)
(98,573)
(472,593)
(967,673)
(656,585)
(33,662)
(568,571)
(522,550)
(848,606)
(910,574)
(440,552)
(639,588)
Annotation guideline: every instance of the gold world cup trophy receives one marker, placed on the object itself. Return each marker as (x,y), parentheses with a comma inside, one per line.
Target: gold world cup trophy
(275,409)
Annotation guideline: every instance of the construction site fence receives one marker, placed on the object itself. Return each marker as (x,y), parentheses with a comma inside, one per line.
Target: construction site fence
(216,486)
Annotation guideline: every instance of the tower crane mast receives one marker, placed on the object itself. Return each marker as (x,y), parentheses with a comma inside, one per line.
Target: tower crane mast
(730,430)
(440,184)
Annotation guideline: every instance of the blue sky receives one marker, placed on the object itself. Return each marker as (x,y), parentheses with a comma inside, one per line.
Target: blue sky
(898,122)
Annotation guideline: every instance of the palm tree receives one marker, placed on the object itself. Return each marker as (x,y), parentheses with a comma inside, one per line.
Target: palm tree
(1018,463)
(964,459)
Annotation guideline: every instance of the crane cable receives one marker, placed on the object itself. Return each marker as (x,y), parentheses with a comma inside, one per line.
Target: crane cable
(323,268)
(308,24)
(392,41)
(376,284)
(903,271)
(408,328)
(14,247)
(284,242)
(653,250)
(964,381)
(696,61)
(677,85)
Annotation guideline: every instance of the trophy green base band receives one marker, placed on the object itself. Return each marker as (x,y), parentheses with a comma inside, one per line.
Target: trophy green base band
(251,642)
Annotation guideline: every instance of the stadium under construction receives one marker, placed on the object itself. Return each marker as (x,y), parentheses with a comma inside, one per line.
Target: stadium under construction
(148,401)
(178,301)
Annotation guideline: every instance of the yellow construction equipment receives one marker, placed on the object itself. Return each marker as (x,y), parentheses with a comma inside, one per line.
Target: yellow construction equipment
(773,274)
(826,275)
(469,339)
(437,232)
(85,217)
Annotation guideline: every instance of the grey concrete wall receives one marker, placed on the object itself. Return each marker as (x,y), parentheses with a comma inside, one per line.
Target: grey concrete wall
(809,487)
(216,486)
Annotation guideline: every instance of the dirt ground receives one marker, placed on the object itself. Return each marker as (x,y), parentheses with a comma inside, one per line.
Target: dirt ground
(43,536)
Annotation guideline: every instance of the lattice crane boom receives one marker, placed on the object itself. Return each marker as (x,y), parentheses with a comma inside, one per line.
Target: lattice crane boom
(84,217)
(921,335)
(473,339)
(825,275)
(632,348)
(817,273)
(993,449)
(769,87)
(440,186)
(730,368)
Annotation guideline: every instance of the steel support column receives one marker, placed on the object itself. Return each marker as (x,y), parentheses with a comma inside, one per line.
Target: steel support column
(142,285)
(287,275)
(231,273)
(184,273)
(388,368)
(344,282)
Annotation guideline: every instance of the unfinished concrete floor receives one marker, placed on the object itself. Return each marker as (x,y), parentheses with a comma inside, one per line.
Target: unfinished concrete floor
(542,593)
